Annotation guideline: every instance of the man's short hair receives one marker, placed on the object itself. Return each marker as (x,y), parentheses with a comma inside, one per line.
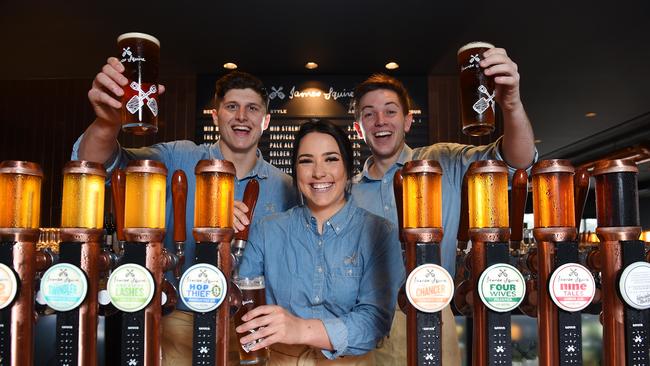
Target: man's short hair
(239,80)
(377,82)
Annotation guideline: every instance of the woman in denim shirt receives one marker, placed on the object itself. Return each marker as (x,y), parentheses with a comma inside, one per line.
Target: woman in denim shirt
(332,269)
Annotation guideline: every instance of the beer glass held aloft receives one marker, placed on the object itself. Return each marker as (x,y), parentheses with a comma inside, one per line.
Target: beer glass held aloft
(140,55)
(476,91)
(252,295)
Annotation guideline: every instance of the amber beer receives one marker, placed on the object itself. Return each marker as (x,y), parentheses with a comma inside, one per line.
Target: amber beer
(553,201)
(487,194)
(422,194)
(215,193)
(476,90)
(140,55)
(20,194)
(253,295)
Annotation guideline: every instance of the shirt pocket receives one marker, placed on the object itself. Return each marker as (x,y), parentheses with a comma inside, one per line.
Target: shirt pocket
(346,281)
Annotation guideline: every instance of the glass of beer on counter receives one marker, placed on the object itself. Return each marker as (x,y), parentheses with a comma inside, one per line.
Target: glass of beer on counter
(140,56)
(252,295)
(477,103)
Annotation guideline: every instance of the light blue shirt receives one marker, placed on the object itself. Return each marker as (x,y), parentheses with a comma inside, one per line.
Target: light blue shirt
(276,190)
(348,276)
(376,195)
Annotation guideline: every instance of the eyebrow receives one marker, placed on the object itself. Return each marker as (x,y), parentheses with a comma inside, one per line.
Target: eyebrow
(323,154)
(386,104)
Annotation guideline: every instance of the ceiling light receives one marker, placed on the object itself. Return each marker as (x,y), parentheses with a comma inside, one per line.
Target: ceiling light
(590,114)
(311,65)
(230,66)
(392,65)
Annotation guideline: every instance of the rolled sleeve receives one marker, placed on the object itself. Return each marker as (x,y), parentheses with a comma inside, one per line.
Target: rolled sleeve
(499,156)
(337,332)
(109,165)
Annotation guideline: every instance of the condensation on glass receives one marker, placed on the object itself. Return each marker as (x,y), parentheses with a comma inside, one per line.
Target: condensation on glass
(83,195)
(146,187)
(422,194)
(20,194)
(215,194)
(487,190)
(553,203)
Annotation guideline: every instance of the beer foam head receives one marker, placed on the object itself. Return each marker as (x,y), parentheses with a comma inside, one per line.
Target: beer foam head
(254,283)
(148,37)
(475,45)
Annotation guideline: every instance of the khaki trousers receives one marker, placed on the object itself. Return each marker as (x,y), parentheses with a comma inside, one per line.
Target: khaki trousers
(392,352)
(286,355)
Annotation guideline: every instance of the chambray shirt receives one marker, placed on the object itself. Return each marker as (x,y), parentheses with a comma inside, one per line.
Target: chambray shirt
(376,195)
(347,277)
(276,190)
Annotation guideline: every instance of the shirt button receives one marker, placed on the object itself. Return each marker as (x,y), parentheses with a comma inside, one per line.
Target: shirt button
(320,242)
(386,208)
(316,299)
(384,180)
(319,269)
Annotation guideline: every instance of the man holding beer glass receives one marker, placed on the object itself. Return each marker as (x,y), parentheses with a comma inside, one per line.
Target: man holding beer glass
(382,116)
(332,269)
(242,117)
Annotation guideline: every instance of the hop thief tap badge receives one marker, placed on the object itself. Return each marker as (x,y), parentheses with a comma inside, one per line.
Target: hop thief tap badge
(501,287)
(131,287)
(572,287)
(8,286)
(429,288)
(64,287)
(203,287)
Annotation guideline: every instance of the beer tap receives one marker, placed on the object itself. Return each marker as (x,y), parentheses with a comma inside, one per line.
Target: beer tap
(136,285)
(624,271)
(462,281)
(398,183)
(179,200)
(71,286)
(118,188)
(498,287)
(251,193)
(20,189)
(429,287)
(204,286)
(519,195)
(564,286)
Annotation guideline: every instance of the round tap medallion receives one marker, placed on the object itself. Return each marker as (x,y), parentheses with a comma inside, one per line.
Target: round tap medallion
(131,287)
(64,286)
(572,287)
(501,287)
(429,288)
(8,286)
(634,285)
(203,287)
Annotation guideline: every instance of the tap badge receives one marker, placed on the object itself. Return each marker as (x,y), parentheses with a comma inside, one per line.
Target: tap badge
(8,286)
(634,285)
(64,287)
(501,287)
(429,288)
(572,287)
(203,287)
(131,287)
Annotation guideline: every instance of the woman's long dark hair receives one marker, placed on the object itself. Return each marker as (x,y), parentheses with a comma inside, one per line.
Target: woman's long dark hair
(327,127)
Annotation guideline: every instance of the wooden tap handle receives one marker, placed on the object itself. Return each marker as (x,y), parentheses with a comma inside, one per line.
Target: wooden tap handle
(462,236)
(517,206)
(580,189)
(398,181)
(118,190)
(251,193)
(179,201)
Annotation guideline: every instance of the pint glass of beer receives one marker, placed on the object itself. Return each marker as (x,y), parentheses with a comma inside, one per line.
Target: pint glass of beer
(252,295)
(140,55)
(476,90)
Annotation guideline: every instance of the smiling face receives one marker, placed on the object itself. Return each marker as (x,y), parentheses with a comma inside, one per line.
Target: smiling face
(241,118)
(320,174)
(382,123)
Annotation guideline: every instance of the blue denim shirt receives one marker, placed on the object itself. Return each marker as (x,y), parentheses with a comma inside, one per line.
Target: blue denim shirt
(376,195)
(348,276)
(276,189)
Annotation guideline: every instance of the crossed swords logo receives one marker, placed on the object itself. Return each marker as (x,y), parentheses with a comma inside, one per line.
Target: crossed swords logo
(137,101)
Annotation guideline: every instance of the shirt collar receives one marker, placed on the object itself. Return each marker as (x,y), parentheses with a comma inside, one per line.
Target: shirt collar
(404,156)
(260,170)
(336,223)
